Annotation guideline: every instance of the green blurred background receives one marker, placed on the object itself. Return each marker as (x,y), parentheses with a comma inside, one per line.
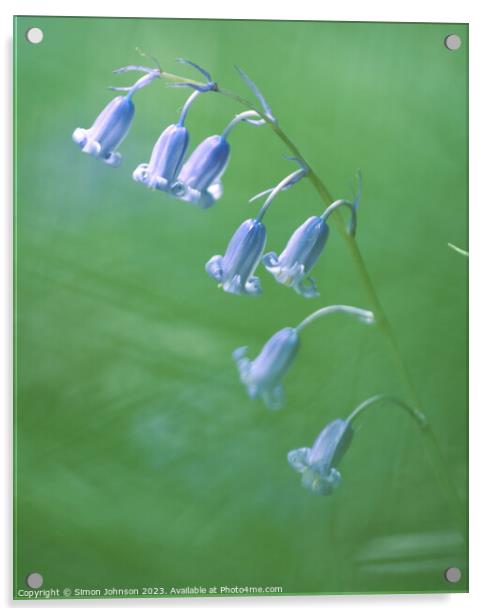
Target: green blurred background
(140,461)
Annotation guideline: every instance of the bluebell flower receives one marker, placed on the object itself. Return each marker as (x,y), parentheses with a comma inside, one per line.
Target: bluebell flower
(167,156)
(166,160)
(317,464)
(300,254)
(234,271)
(304,248)
(263,375)
(107,132)
(200,178)
(113,123)
(199,181)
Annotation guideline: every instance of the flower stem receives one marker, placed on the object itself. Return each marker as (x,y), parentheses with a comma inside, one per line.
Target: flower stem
(242,117)
(290,179)
(418,416)
(363,315)
(352,229)
(186,107)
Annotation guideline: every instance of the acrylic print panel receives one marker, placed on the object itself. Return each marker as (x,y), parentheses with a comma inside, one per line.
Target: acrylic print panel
(154,455)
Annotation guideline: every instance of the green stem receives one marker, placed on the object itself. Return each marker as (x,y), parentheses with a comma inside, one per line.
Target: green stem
(460,251)
(418,416)
(434,454)
(362,315)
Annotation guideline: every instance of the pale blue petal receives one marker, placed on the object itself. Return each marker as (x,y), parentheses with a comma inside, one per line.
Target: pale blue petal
(306,289)
(274,397)
(253,286)
(233,285)
(214,267)
(298,459)
(270,261)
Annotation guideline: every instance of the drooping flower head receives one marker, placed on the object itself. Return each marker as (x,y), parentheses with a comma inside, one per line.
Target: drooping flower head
(167,156)
(298,257)
(318,463)
(263,375)
(113,123)
(304,248)
(200,177)
(166,160)
(234,271)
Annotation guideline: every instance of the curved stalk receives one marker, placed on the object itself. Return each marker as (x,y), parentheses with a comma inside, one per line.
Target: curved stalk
(242,117)
(290,179)
(418,416)
(186,107)
(352,228)
(362,315)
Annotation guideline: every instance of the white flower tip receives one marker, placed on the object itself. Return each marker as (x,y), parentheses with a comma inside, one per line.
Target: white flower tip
(368,318)
(239,353)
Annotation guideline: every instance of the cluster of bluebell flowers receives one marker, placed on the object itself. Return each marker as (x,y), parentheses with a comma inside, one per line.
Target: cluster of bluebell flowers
(197,179)
(234,271)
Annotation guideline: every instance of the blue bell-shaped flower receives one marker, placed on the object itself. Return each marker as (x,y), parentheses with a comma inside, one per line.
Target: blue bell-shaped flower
(167,156)
(304,248)
(200,177)
(113,123)
(234,271)
(317,464)
(166,160)
(263,375)
(107,132)
(297,259)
